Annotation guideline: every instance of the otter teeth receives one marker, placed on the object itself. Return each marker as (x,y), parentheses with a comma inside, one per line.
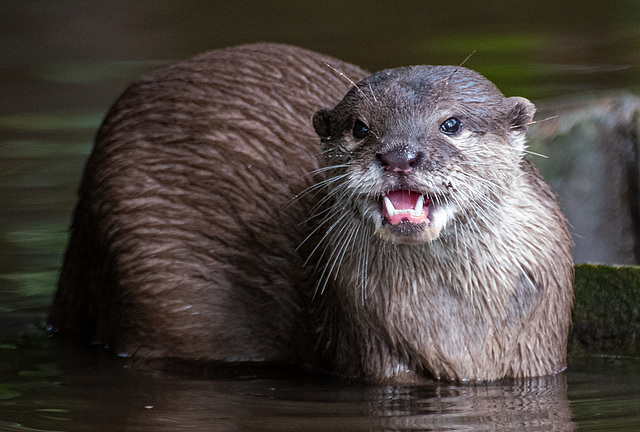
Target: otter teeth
(388,205)
(416,211)
(419,205)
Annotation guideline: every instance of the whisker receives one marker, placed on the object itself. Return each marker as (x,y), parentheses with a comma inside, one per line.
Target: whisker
(466,59)
(343,75)
(536,154)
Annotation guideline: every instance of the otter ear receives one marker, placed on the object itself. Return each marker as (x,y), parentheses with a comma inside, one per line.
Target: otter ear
(520,113)
(322,123)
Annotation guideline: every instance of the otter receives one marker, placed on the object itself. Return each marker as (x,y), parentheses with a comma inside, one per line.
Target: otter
(266,203)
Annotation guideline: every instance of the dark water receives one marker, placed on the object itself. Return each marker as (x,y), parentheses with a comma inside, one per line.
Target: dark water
(47,387)
(63,63)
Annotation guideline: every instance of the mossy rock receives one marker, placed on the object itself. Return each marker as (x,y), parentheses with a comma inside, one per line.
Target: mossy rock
(606,312)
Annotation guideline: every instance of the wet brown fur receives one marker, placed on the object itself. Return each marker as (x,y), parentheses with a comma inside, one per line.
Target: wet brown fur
(188,240)
(490,296)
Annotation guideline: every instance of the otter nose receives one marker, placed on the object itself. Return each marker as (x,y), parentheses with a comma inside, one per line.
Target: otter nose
(401,160)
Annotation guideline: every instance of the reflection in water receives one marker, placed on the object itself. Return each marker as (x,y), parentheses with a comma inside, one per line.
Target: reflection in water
(105,396)
(537,403)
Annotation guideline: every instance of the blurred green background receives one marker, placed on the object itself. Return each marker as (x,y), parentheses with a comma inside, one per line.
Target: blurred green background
(64,63)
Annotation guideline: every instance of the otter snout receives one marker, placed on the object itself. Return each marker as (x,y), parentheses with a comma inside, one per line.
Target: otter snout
(400,160)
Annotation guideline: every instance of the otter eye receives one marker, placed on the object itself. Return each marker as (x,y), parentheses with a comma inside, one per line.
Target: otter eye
(450,126)
(360,130)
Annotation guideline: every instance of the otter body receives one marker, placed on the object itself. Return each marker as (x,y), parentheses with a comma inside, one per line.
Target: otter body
(411,241)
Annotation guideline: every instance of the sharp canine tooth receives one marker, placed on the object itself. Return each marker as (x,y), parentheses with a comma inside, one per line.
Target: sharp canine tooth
(388,205)
(419,205)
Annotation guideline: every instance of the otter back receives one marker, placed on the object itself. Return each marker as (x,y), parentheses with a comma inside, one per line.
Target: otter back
(184,238)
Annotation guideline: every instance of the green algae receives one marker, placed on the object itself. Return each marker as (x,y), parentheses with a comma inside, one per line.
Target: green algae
(606,312)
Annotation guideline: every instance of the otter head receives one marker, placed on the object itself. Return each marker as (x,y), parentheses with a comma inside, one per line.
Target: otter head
(410,150)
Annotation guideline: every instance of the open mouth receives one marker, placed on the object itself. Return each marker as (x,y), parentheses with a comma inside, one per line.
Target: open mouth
(404,205)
